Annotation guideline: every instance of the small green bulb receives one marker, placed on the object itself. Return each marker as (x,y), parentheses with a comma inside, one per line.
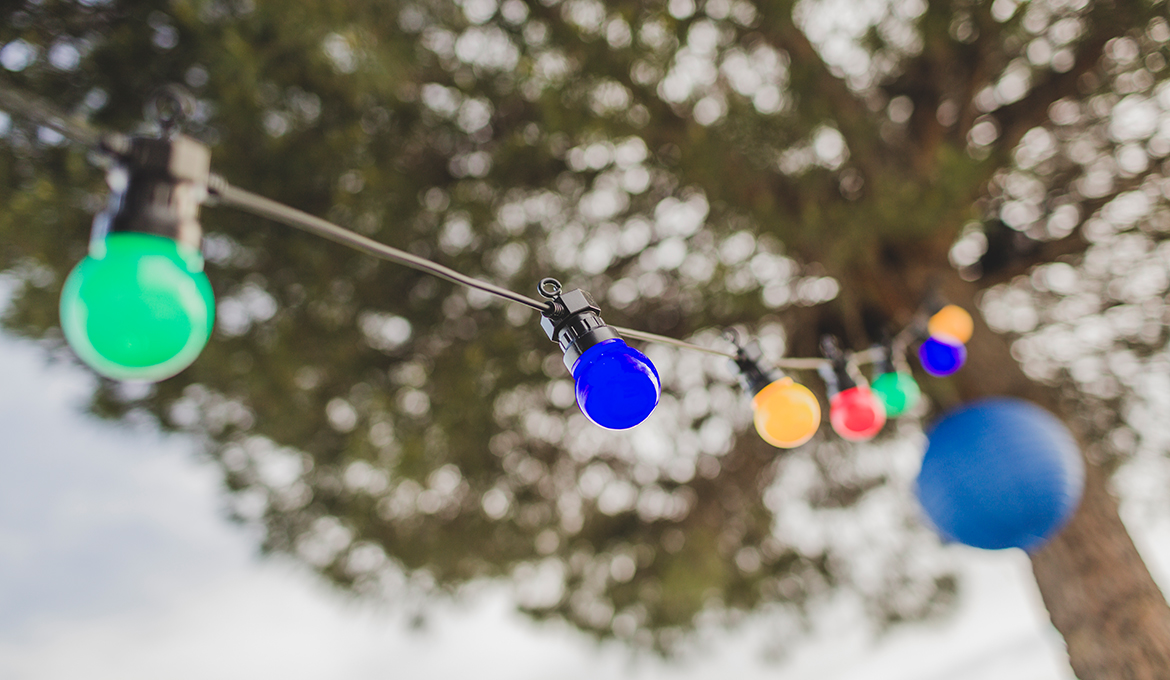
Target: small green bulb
(898,392)
(138,307)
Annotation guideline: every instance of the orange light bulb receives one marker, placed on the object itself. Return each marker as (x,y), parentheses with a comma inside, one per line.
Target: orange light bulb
(787,414)
(951,322)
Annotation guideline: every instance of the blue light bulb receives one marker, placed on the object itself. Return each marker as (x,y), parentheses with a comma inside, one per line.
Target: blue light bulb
(1000,473)
(941,358)
(617,386)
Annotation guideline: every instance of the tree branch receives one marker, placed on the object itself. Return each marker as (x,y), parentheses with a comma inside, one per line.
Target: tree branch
(823,95)
(1043,252)
(1107,20)
(1039,252)
(947,69)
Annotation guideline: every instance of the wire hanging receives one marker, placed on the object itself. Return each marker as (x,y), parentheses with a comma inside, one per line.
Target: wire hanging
(571,319)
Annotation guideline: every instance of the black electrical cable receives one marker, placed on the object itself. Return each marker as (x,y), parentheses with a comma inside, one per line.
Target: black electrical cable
(231,196)
(663,340)
(793,363)
(235,197)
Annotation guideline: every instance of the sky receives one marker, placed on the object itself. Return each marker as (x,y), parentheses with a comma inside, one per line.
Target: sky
(117,561)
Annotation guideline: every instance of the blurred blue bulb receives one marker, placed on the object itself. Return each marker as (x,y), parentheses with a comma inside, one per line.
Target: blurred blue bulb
(617,386)
(1000,473)
(940,358)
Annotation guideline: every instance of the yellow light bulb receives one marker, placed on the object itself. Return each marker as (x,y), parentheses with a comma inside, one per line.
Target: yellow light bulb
(953,322)
(786,414)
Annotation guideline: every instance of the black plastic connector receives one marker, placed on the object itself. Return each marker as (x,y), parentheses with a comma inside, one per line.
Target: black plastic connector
(157,188)
(573,321)
(752,376)
(836,376)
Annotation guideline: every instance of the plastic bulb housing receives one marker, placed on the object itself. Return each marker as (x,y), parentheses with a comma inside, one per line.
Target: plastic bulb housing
(897,391)
(951,322)
(787,414)
(1000,473)
(940,357)
(617,386)
(138,307)
(856,414)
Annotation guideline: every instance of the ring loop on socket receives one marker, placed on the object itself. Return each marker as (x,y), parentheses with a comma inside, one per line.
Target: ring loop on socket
(549,288)
(170,106)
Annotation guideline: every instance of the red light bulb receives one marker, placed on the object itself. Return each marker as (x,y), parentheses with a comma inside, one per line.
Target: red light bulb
(856,414)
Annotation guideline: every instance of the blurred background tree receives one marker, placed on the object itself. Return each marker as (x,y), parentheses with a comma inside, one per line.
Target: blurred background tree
(790,168)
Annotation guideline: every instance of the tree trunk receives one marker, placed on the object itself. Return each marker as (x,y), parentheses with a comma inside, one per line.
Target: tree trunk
(1098,591)
(1100,595)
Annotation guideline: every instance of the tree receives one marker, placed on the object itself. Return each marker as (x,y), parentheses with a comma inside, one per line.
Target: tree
(770,165)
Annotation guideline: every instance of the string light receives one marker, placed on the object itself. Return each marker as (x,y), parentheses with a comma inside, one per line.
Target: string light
(952,321)
(139,306)
(785,413)
(617,387)
(1000,473)
(855,412)
(896,389)
(941,357)
(944,351)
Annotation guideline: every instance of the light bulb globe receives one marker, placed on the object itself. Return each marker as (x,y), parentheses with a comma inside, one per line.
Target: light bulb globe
(941,357)
(138,307)
(951,322)
(856,414)
(1000,473)
(897,391)
(787,414)
(617,386)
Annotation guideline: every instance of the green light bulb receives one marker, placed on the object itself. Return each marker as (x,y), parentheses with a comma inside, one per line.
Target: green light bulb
(897,391)
(138,307)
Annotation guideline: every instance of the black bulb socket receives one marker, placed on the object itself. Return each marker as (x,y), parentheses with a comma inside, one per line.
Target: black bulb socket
(752,376)
(934,303)
(836,378)
(574,322)
(157,188)
(835,374)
